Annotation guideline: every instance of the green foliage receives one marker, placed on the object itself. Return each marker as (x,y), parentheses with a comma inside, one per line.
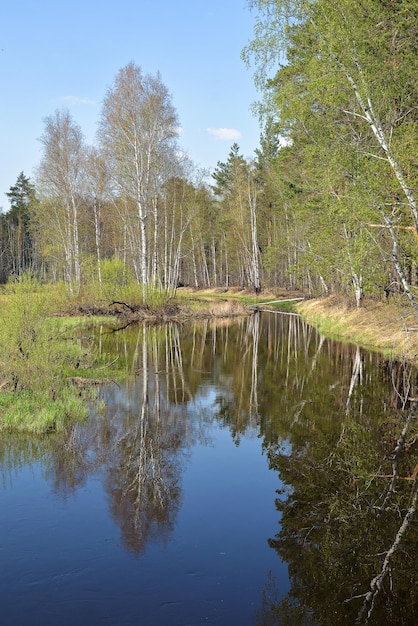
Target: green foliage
(21,195)
(225,173)
(34,359)
(345,101)
(117,279)
(16,236)
(118,283)
(155,296)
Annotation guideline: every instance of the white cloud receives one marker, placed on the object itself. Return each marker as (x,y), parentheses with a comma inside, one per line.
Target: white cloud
(224,134)
(76,100)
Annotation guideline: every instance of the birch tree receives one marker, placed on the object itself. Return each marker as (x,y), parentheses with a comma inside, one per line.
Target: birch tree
(98,194)
(344,90)
(137,132)
(60,181)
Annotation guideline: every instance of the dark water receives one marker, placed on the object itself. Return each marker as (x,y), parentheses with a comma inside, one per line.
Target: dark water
(247,472)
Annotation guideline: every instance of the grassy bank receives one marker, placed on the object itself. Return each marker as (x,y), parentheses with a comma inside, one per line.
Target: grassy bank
(43,363)
(390,328)
(38,359)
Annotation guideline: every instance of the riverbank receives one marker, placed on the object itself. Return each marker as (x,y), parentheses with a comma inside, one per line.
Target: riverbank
(187,303)
(387,327)
(124,313)
(390,328)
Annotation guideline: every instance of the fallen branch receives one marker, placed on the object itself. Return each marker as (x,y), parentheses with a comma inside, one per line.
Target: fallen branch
(123,304)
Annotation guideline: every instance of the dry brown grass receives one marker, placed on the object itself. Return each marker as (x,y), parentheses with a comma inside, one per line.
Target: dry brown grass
(391,327)
(236,293)
(203,307)
(228,309)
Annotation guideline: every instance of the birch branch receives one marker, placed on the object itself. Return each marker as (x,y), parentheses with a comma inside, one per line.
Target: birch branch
(377,582)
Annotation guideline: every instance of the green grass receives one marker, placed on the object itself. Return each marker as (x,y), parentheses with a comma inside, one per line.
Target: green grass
(39,353)
(35,413)
(287,307)
(69,323)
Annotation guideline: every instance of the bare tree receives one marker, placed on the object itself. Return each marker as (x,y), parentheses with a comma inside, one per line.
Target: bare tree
(137,132)
(61,179)
(98,193)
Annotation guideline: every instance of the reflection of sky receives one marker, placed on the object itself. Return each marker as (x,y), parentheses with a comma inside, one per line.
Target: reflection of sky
(205,400)
(211,568)
(66,552)
(219,552)
(206,395)
(285,447)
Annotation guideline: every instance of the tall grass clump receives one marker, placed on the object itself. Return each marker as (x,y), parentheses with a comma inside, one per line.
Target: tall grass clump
(34,359)
(118,280)
(155,296)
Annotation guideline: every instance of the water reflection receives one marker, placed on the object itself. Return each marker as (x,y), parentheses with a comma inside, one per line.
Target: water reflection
(348,526)
(144,449)
(336,423)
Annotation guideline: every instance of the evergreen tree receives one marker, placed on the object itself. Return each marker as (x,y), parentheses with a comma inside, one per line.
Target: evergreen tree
(17,239)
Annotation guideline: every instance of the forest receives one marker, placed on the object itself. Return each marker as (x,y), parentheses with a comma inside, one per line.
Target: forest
(327,204)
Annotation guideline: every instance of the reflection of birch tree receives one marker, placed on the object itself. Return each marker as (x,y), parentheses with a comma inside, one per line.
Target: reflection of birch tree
(356,377)
(144,472)
(254,329)
(347,524)
(406,515)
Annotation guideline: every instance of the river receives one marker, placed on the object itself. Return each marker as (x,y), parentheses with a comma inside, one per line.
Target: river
(235,472)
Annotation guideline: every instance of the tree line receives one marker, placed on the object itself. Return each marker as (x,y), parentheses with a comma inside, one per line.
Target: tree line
(327,204)
(131,207)
(339,85)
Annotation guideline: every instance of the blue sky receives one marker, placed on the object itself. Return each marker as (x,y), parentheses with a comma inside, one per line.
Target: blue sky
(56,55)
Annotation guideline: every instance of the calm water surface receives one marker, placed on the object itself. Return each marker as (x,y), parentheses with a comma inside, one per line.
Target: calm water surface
(249,472)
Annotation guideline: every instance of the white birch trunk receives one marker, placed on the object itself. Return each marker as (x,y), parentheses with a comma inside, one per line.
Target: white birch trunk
(255,257)
(369,115)
(96,216)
